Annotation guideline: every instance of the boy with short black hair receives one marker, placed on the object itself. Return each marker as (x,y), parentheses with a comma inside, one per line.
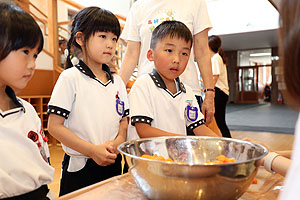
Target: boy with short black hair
(160,104)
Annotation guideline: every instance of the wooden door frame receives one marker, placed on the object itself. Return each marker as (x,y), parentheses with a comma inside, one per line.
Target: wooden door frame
(240,95)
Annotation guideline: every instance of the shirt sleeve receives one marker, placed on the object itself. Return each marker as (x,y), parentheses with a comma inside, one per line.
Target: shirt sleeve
(216,63)
(63,96)
(131,30)
(201,18)
(140,103)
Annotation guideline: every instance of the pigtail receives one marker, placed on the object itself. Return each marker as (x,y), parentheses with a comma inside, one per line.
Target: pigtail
(68,63)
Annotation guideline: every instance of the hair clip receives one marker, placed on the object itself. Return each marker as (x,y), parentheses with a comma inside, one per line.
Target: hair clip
(66,52)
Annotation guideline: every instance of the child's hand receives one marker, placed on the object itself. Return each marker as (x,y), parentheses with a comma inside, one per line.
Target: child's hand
(260,162)
(257,142)
(111,146)
(103,154)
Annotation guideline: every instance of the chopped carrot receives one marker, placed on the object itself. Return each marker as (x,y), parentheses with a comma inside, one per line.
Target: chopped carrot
(147,156)
(156,157)
(254,180)
(221,159)
(169,159)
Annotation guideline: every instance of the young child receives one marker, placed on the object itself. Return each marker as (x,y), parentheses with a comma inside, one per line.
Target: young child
(24,167)
(88,108)
(160,104)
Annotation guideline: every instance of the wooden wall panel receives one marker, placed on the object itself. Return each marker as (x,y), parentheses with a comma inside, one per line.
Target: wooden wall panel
(42,83)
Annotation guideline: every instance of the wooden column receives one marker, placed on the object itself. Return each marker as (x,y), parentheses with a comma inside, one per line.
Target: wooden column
(53,31)
(53,41)
(232,75)
(274,86)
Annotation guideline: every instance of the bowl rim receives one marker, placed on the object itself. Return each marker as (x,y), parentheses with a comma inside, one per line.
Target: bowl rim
(265,150)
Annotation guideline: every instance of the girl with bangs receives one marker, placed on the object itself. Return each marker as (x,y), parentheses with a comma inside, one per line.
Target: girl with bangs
(88,109)
(23,146)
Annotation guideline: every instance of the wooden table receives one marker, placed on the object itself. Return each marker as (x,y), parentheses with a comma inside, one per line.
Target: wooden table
(123,187)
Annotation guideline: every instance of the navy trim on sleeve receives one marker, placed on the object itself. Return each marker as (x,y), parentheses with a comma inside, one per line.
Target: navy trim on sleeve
(58,111)
(126,113)
(141,119)
(196,124)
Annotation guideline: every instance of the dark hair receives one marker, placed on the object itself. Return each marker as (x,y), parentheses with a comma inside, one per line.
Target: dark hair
(62,41)
(214,43)
(172,29)
(89,21)
(17,30)
(289,46)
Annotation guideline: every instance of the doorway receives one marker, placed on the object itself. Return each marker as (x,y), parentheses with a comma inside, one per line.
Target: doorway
(254,76)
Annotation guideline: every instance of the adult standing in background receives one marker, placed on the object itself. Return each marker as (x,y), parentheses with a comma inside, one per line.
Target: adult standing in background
(144,16)
(220,82)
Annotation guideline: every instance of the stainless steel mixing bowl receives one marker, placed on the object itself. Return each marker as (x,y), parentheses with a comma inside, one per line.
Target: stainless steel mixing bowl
(192,179)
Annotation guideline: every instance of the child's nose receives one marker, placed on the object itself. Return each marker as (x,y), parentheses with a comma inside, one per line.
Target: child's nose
(31,64)
(175,59)
(110,44)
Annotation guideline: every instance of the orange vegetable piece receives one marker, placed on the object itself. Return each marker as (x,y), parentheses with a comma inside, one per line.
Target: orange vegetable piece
(254,181)
(147,156)
(159,158)
(156,157)
(221,159)
(169,160)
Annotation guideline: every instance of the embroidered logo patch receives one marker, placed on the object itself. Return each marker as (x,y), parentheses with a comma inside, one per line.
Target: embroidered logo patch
(33,136)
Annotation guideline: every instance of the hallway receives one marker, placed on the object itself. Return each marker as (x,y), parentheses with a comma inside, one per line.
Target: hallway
(261,117)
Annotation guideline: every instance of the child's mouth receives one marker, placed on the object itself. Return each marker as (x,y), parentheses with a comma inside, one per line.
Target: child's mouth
(174,69)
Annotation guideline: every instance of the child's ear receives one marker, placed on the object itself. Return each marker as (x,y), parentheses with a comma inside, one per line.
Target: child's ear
(79,38)
(150,55)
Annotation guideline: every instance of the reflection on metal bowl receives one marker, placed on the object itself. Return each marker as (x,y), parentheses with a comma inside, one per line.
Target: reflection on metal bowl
(192,179)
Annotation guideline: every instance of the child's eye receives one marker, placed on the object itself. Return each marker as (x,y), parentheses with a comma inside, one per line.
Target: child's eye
(103,36)
(35,56)
(185,54)
(115,39)
(168,50)
(26,51)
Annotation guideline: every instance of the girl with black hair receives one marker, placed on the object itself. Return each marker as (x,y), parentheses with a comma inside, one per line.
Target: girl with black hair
(220,82)
(24,166)
(88,108)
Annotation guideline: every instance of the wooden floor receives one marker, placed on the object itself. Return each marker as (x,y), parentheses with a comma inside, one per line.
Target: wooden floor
(275,141)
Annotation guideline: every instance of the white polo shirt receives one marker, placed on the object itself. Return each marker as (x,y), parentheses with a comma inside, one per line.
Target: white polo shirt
(152,103)
(22,167)
(92,109)
(145,15)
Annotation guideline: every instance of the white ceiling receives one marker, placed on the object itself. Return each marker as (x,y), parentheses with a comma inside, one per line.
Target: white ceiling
(244,24)
(250,40)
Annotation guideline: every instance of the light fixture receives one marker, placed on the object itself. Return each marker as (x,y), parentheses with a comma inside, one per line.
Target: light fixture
(259,54)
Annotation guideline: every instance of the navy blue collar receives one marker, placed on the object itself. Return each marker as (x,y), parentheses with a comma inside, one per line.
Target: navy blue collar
(11,94)
(82,67)
(158,81)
